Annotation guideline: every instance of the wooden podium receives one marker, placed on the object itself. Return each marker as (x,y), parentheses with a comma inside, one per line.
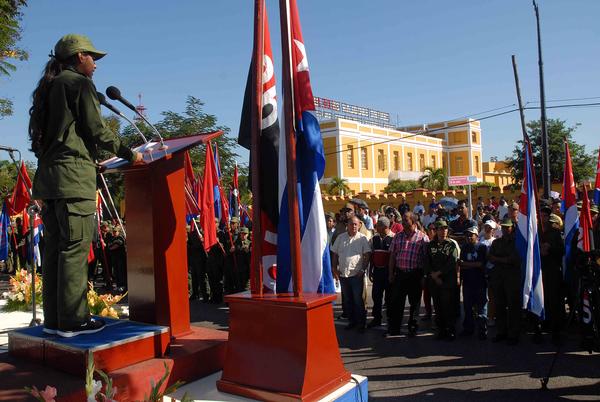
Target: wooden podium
(156,238)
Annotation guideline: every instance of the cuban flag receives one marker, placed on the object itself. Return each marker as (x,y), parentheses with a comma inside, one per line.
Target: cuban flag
(569,209)
(38,232)
(527,241)
(4,225)
(597,186)
(217,188)
(310,165)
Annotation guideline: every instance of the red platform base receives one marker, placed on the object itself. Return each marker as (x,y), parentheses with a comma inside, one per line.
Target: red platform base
(282,348)
(189,358)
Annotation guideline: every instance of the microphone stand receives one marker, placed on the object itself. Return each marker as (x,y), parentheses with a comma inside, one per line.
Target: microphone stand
(32,210)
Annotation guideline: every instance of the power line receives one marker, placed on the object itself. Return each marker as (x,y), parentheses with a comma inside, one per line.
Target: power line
(426,132)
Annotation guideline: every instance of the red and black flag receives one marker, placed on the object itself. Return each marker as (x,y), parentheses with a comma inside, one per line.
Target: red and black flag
(265,242)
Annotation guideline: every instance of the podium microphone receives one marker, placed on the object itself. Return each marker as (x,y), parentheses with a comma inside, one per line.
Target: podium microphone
(115,94)
(8,149)
(116,111)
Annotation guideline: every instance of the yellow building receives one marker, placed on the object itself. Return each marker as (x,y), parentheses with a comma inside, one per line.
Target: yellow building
(368,156)
(498,173)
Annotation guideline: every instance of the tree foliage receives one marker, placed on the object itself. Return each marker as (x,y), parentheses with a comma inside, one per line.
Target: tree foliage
(10,34)
(338,186)
(558,132)
(401,186)
(434,179)
(175,124)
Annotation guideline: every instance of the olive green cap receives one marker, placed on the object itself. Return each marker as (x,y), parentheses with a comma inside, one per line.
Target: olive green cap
(244,230)
(441,224)
(594,208)
(234,219)
(72,44)
(506,222)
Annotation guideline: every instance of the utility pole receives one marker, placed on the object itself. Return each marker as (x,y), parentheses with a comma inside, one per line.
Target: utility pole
(546,181)
(523,127)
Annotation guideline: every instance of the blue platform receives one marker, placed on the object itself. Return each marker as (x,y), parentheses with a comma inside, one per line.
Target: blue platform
(117,332)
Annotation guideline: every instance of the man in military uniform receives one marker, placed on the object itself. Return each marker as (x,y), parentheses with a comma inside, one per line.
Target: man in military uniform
(215,264)
(66,130)
(243,247)
(196,263)
(506,284)
(441,258)
(552,249)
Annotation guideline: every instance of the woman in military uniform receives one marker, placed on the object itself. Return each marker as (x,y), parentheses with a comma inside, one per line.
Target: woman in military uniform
(66,131)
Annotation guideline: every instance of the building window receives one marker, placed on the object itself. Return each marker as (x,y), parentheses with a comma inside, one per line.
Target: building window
(459,164)
(433,162)
(396,160)
(409,161)
(474,137)
(363,159)
(477,164)
(380,159)
(421,162)
(350,156)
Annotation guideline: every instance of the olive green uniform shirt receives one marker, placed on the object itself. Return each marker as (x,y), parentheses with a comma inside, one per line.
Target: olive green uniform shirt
(442,256)
(73,134)
(505,247)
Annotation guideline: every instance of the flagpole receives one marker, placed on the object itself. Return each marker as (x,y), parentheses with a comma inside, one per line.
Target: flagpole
(292,192)
(256,287)
(518,87)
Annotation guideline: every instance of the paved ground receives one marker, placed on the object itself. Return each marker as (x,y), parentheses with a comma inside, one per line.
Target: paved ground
(423,369)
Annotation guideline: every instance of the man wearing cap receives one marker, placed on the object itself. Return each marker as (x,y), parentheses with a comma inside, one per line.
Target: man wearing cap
(552,249)
(66,131)
(361,210)
(243,248)
(441,258)
(462,223)
(506,284)
(405,274)
(351,256)
(472,274)
(378,270)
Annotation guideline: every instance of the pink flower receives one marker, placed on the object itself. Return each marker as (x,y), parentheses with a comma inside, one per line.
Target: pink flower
(47,395)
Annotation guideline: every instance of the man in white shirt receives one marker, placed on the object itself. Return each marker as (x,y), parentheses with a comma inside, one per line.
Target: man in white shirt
(431,217)
(351,256)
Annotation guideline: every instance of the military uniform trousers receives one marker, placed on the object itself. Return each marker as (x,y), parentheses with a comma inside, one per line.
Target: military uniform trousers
(474,290)
(506,283)
(444,303)
(554,305)
(68,227)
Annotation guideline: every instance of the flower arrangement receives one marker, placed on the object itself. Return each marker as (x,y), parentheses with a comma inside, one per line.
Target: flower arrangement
(19,294)
(102,305)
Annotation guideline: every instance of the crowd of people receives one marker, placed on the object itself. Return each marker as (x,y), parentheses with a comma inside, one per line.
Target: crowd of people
(443,255)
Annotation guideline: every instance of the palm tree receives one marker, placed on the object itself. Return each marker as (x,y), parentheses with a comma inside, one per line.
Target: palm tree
(338,186)
(434,179)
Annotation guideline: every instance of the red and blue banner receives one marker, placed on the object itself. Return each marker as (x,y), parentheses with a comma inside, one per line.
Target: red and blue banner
(528,242)
(569,209)
(584,240)
(310,166)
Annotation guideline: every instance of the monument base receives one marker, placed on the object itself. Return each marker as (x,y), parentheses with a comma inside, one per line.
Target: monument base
(190,357)
(282,348)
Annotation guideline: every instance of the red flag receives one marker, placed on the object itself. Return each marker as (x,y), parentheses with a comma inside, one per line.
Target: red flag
(585,223)
(20,197)
(192,208)
(207,218)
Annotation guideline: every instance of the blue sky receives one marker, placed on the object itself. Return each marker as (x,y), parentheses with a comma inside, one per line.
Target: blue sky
(420,61)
